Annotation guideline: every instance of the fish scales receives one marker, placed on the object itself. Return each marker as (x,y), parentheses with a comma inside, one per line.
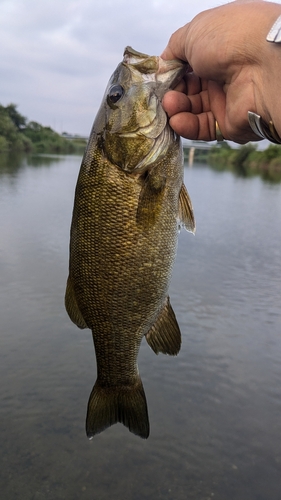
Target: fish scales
(124,237)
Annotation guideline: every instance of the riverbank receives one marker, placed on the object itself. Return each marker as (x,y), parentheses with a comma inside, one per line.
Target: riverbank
(17,134)
(247,160)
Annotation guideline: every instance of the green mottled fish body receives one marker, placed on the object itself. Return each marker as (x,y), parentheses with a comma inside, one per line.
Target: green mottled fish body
(129,203)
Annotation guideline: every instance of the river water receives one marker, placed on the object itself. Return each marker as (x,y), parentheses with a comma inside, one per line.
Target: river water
(215,409)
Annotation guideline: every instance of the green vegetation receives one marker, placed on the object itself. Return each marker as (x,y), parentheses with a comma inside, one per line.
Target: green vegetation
(18,134)
(247,161)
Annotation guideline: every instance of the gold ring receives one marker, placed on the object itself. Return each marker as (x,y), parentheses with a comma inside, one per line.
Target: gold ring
(219,136)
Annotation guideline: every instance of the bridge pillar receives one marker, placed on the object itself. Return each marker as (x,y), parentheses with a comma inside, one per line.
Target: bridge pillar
(191,156)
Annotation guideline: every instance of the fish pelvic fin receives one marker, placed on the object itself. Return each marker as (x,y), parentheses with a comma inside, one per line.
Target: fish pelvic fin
(71,306)
(165,336)
(186,215)
(125,404)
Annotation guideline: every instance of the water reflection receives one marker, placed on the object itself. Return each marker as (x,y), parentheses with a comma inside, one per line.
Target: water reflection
(214,409)
(11,164)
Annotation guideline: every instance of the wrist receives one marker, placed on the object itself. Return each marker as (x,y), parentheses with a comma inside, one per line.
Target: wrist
(268,86)
(272,88)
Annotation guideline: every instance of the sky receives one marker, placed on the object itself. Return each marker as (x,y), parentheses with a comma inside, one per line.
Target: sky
(56,56)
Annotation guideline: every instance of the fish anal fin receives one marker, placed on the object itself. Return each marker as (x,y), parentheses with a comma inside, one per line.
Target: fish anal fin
(71,306)
(186,215)
(125,404)
(164,336)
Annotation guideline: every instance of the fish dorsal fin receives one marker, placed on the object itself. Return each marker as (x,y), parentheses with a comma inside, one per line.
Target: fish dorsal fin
(165,336)
(72,308)
(186,215)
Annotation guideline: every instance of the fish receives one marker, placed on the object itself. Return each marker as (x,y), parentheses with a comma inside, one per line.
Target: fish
(130,202)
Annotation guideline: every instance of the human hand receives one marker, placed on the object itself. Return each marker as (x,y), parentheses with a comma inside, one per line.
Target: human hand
(235,70)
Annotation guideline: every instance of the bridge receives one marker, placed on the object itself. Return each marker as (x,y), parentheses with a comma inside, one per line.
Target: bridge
(73,137)
(187,144)
(189,148)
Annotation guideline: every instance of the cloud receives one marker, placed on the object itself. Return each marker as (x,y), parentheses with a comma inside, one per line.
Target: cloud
(59,55)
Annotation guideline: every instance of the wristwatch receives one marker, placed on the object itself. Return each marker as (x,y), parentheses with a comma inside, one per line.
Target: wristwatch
(257,124)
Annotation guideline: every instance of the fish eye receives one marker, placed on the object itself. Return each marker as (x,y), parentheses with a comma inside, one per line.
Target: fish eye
(115,93)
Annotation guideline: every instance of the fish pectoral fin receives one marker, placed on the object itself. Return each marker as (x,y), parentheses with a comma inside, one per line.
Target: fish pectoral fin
(165,336)
(71,306)
(186,215)
(125,404)
(150,200)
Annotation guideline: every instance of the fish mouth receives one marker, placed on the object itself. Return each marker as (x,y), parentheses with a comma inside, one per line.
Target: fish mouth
(166,74)
(170,73)
(143,63)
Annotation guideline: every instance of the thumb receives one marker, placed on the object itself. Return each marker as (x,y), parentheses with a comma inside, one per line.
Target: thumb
(176,48)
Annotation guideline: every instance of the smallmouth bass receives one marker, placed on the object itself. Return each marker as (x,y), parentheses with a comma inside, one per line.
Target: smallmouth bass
(130,201)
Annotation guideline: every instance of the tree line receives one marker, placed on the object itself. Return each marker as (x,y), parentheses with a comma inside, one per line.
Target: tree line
(247,160)
(19,134)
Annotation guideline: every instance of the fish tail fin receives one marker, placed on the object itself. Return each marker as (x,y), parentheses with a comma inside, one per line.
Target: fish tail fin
(125,404)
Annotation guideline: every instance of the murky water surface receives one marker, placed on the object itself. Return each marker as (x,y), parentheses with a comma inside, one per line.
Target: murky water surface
(215,410)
